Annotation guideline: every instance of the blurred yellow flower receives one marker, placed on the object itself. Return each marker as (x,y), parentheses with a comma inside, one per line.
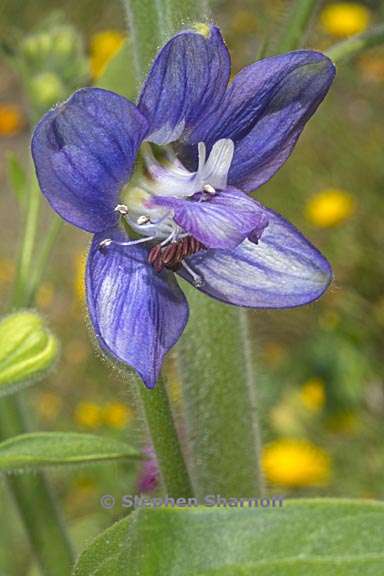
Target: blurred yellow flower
(117,415)
(11,119)
(345,18)
(104,45)
(330,207)
(7,270)
(88,414)
(295,463)
(45,295)
(312,394)
(48,405)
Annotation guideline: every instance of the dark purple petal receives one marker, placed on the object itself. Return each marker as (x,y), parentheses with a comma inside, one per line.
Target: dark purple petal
(84,150)
(264,111)
(281,271)
(187,79)
(137,313)
(222,220)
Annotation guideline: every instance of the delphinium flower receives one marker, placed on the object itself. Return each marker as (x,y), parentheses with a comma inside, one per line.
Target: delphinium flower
(204,145)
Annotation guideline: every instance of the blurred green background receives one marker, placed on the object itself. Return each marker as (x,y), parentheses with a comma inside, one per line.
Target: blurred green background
(321,375)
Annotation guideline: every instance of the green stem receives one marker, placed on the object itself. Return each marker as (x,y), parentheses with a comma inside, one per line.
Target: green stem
(33,495)
(43,257)
(181,14)
(219,391)
(146,19)
(297,24)
(35,502)
(356,44)
(165,441)
(19,297)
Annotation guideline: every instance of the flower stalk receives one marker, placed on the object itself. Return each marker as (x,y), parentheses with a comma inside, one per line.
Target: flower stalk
(165,440)
(356,44)
(299,18)
(219,388)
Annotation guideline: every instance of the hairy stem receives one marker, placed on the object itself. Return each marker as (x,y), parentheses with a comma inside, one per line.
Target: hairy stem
(299,18)
(146,20)
(165,441)
(43,257)
(219,391)
(181,14)
(353,46)
(19,295)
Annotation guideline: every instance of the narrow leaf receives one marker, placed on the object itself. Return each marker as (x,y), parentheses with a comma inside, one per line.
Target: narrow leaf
(317,537)
(42,449)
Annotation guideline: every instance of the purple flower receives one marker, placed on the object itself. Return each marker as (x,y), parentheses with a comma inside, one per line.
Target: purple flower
(205,144)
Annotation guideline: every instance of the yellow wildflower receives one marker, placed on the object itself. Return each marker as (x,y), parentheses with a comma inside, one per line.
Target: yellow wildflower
(88,414)
(343,19)
(104,45)
(117,415)
(48,405)
(312,394)
(11,119)
(330,207)
(295,463)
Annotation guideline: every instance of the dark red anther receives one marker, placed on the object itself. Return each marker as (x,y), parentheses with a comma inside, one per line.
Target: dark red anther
(154,253)
(185,243)
(168,253)
(172,255)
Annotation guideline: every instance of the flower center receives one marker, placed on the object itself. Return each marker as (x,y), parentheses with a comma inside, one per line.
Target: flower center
(154,221)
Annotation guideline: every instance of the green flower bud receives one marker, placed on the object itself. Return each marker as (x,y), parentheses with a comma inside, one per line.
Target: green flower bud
(27,350)
(46,89)
(37,46)
(65,42)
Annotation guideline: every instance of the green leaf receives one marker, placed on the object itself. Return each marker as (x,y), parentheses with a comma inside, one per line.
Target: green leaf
(317,537)
(119,75)
(17,177)
(42,449)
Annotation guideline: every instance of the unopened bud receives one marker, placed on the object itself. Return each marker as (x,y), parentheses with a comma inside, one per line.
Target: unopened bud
(27,349)
(65,41)
(46,89)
